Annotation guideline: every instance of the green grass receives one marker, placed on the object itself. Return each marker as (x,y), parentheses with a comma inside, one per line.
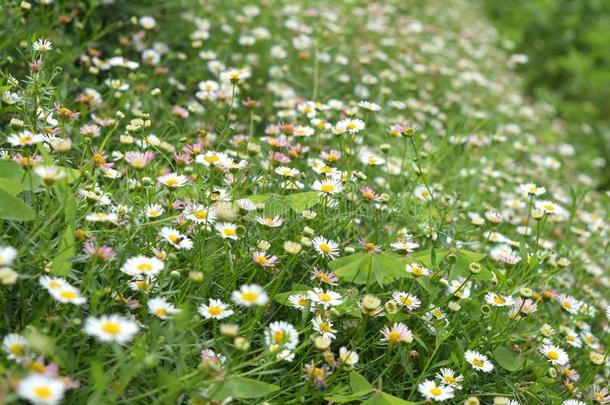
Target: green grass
(468,143)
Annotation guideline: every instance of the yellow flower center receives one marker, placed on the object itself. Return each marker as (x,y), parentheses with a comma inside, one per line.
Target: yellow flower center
(16,349)
(317,372)
(171,182)
(436,391)
(249,296)
(552,355)
(160,311)
(327,188)
(201,214)
(478,362)
(215,310)
(43,392)
(278,335)
(499,300)
(394,336)
(144,267)
(324,247)
(229,232)
(325,297)
(111,327)
(68,294)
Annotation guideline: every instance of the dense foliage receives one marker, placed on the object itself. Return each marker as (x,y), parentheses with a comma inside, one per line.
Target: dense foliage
(566,42)
(289,202)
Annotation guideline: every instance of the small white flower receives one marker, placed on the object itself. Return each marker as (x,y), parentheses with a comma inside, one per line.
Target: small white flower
(40,389)
(348,357)
(7,255)
(111,328)
(216,309)
(249,295)
(430,390)
(161,308)
(555,354)
(478,361)
(142,266)
(42,46)
(325,247)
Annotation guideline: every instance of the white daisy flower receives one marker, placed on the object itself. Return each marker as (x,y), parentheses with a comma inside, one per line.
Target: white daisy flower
(348,357)
(478,361)
(417,270)
(40,389)
(448,377)
(325,298)
(281,334)
(175,238)
(430,390)
(161,308)
(249,295)
(201,214)
(216,309)
(16,347)
(173,180)
(324,327)
(397,333)
(8,255)
(111,328)
(555,354)
(142,266)
(298,301)
(499,300)
(325,247)
(153,211)
(409,301)
(270,222)
(68,295)
(227,230)
(328,186)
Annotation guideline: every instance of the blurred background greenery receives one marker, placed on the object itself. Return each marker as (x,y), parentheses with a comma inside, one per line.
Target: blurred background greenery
(568,46)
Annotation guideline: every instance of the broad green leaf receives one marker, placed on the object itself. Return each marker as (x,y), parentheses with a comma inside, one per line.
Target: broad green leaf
(9,169)
(242,388)
(339,399)
(365,268)
(12,208)
(299,202)
(358,383)
(276,205)
(382,398)
(257,199)
(10,186)
(508,359)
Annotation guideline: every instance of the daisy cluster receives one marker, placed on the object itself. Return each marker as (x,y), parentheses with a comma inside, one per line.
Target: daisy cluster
(292,202)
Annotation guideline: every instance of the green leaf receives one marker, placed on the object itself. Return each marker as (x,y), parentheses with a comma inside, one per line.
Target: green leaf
(9,169)
(242,388)
(12,208)
(339,399)
(299,202)
(61,262)
(364,268)
(508,359)
(383,398)
(358,383)
(10,186)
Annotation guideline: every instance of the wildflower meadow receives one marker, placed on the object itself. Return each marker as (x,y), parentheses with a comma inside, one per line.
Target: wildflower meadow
(291,202)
